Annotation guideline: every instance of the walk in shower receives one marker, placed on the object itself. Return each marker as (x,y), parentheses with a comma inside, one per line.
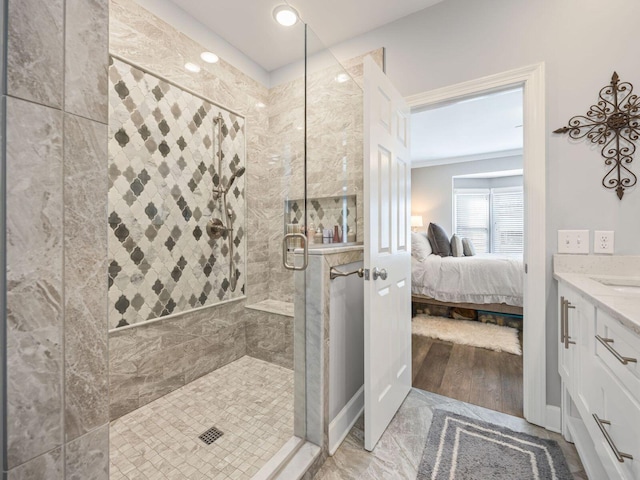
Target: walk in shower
(208,170)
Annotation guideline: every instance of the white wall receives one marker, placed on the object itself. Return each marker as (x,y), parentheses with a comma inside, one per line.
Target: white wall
(432,187)
(581,42)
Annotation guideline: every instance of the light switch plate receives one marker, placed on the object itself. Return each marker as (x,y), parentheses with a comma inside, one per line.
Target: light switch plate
(573,241)
(603,241)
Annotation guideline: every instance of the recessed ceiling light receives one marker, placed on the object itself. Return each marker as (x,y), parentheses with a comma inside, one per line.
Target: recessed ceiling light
(285,15)
(209,57)
(192,67)
(342,77)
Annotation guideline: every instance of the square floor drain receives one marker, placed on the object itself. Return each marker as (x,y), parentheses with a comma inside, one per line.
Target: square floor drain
(211,435)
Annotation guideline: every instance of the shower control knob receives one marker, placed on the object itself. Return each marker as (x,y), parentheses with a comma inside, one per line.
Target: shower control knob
(377,273)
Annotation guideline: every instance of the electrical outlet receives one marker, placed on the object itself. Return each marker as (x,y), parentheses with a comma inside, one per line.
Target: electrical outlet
(573,241)
(603,241)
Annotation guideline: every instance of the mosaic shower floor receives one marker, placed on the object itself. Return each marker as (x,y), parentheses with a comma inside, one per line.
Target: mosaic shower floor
(249,400)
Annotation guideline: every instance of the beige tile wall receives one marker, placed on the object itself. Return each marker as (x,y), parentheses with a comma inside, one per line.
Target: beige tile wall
(55,156)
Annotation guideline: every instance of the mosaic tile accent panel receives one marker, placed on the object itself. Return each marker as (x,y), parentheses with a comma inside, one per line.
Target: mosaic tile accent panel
(324,212)
(163,164)
(250,400)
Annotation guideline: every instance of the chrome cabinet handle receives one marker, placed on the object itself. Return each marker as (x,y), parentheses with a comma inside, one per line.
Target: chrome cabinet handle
(567,338)
(563,316)
(607,344)
(285,245)
(379,274)
(619,455)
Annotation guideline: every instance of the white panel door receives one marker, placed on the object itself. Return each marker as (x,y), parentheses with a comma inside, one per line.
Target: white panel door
(387,197)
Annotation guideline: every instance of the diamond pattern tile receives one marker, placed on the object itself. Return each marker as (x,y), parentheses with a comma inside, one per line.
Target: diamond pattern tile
(324,212)
(162,169)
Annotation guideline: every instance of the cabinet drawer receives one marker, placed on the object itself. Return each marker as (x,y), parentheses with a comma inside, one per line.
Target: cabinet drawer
(615,406)
(623,342)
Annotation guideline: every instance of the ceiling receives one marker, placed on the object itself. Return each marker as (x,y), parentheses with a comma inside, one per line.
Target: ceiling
(249,25)
(480,127)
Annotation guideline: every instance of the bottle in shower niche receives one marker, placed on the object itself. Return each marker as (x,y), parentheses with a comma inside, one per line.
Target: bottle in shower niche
(317,238)
(311,233)
(336,234)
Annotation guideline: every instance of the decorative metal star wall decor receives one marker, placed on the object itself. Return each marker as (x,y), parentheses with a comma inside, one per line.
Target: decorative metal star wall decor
(614,123)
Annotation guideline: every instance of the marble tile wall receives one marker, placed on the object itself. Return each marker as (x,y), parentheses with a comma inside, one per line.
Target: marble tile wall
(164,144)
(56,398)
(334,149)
(269,337)
(153,359)
(146,41)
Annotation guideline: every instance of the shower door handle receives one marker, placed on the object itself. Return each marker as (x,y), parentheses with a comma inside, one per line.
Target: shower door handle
(285,251)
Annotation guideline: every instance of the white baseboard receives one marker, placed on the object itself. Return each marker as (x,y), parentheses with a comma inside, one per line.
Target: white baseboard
(341,425)
(553,419)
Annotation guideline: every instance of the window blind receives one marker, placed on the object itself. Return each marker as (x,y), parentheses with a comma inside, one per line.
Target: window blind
(472,217)
(493,219)
(507,206)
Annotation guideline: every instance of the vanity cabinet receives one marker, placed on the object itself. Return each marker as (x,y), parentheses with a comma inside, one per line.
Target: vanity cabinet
(600,386)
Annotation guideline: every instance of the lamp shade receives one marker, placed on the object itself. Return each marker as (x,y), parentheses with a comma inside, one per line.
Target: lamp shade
(416,221)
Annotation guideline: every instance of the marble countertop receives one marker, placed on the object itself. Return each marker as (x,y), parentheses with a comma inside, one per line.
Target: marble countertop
(582,273)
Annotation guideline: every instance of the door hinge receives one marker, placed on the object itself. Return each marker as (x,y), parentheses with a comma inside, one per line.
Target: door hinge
(526,268)
(366,274)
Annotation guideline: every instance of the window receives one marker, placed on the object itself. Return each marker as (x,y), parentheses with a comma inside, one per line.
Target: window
(491,218)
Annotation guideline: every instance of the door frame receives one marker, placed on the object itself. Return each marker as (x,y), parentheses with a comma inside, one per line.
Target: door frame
(532,79)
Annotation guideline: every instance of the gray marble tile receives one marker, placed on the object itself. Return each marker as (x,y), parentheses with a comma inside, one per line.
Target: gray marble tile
(49,466)
(399,452)
(34,280)
(270,337)
(87,457)
(35,50)
(86,349)
(86,45)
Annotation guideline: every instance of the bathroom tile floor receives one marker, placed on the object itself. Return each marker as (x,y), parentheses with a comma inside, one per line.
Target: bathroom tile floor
(250,400)
(399,451)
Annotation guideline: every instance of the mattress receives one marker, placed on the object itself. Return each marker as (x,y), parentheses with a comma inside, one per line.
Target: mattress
(480,279)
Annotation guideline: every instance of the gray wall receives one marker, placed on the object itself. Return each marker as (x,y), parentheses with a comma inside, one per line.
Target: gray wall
(432,187)
(460,40)
(56,391)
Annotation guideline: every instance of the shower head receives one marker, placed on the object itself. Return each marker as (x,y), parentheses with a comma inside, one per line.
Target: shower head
(237,174)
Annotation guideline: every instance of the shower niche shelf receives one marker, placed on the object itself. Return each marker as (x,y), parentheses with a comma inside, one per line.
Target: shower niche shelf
(326,213)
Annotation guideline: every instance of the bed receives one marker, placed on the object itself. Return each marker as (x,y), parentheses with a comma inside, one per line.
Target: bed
(481,282)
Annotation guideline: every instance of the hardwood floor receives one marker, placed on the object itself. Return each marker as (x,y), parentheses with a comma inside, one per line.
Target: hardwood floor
(470,374)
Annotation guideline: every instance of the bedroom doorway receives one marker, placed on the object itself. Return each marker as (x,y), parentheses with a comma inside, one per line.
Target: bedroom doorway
(532,388)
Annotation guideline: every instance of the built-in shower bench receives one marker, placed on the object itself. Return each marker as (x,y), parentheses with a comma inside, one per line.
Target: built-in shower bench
(269,331)
(273,306)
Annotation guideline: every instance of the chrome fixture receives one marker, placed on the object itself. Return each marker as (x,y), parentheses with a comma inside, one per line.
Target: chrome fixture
(379,273)
(223,228)
(335,273)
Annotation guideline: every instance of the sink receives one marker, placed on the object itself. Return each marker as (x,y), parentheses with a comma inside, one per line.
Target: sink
(621,284)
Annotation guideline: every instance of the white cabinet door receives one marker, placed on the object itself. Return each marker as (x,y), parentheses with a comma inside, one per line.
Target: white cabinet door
(387,190)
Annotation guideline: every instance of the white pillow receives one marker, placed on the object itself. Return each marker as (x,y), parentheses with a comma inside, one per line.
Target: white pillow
(456,246)
(420,246)
(468,248)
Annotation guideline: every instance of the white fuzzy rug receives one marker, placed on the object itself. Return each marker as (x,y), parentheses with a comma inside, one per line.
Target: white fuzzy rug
(466,332)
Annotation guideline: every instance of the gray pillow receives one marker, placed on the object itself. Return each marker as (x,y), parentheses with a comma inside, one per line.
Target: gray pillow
(468,248)
(457,249)
(439,240)
(420,246)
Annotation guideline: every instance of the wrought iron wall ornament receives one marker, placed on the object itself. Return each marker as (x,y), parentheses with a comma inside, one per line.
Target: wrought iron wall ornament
(614,123)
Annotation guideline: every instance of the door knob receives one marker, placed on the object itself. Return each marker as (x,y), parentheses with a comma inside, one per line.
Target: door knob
(379,274)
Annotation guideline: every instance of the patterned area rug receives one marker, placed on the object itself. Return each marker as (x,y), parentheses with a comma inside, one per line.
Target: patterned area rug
(462,448)
(466,332)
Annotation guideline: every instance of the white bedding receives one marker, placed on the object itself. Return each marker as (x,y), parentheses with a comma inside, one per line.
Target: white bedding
(481,279)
